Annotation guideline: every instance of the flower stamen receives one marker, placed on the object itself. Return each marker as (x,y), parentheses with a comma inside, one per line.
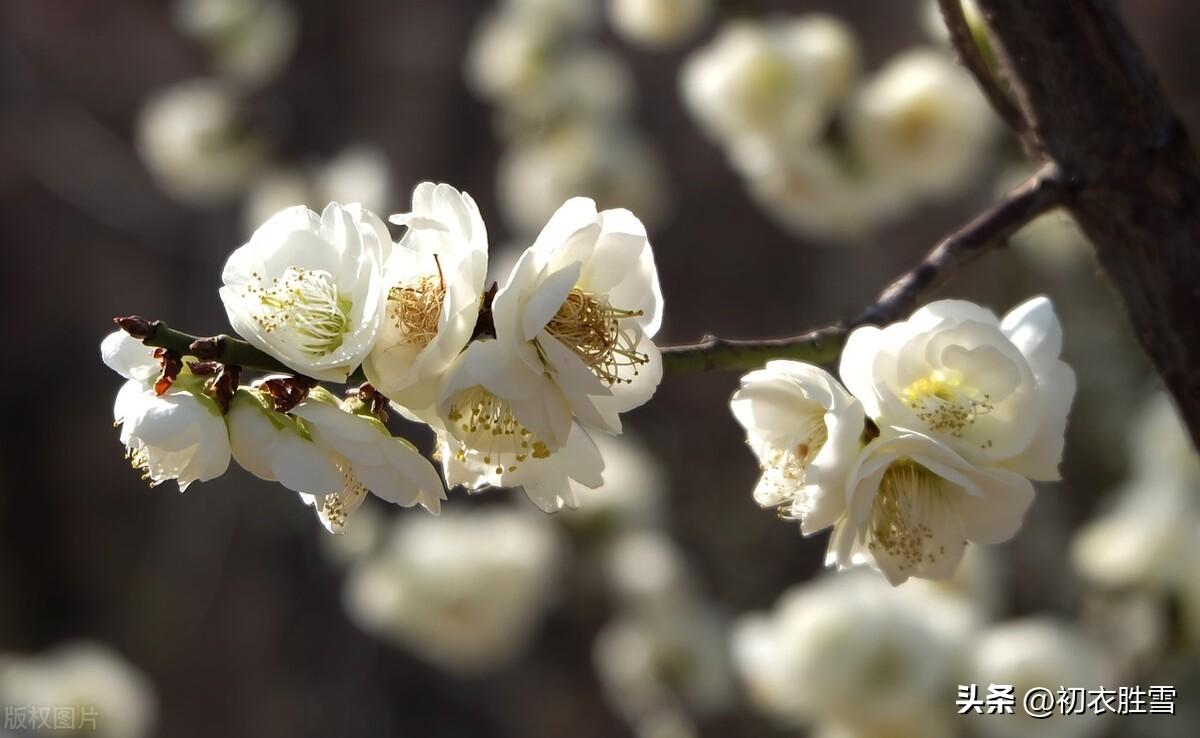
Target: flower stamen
(592,329)
(909,497)
(307,305)
(485,425)
(415,308)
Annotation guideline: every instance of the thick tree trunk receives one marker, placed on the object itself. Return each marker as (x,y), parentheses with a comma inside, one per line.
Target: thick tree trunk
(1093,107)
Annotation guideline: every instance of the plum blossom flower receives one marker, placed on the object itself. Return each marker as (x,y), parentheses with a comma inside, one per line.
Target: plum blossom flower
(434,280)
(578,312)
(308,289)
(493,421)
(805,429)
(464,592)
(994,391)
(913,504)
(277,447)
(179,434)
(368,457)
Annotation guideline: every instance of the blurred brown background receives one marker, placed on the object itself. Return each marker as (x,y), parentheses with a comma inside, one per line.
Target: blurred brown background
(222,595)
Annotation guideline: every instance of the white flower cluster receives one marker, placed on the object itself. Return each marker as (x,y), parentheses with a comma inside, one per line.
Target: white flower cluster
(824,150)
(854,658)
(510,380)
(564,112)
(948,416)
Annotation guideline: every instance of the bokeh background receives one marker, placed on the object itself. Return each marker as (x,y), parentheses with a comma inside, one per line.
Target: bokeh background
(226,598)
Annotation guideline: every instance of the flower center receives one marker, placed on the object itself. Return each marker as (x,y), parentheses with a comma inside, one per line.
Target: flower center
(336,507)
(909,497)
(592,329)
(484,424)
(415,308)
(945,405)
(306,304)
(784,467)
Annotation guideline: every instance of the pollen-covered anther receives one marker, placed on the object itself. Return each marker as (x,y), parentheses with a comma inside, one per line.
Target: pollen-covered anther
(486,426)
(415,308)
(305,305)
(909,494)
(337,507)
(946,405)
(592,328)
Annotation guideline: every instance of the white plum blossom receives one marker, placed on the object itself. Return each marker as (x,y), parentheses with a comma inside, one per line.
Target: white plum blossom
(780,79)
(277,447)
(189,137)
(913,504)
(501,425)
(805,430)
(851,650)
(434,280)
(98,687)
(922,123)
(179,434)
(308,289)
(658,23)
(579,313)
(368,457)
(1039,652)
(994,391)
(464,592)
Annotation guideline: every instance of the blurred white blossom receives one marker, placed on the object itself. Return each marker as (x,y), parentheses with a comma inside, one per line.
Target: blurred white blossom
(1039,652)
(633,492)
(610,163)
(102,694)
(658,23)
(922,123)
(177,434)
(191,140)
(465,591)
(780,79)
(849,649)
(358,173)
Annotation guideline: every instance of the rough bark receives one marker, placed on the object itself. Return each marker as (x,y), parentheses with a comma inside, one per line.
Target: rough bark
(1092,107)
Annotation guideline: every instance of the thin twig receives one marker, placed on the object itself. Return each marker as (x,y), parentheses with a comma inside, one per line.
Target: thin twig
(973,59)
(1041,192)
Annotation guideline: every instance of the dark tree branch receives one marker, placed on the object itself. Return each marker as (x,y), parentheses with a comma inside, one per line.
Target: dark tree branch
(967,45)
(1040,193)
(1094,109)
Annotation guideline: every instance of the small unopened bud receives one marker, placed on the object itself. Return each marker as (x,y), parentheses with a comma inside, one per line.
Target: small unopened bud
(137,326)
